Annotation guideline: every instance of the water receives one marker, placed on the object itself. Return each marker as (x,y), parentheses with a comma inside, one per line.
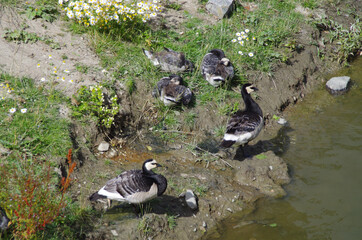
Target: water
(325,156)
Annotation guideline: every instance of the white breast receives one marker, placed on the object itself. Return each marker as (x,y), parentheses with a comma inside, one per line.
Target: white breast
(140,197)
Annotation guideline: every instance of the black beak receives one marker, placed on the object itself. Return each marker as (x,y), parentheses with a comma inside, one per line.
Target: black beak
(158,165)
(254,88)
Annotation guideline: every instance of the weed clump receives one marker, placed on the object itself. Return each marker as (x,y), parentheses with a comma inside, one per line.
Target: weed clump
(91,100)
(30,196)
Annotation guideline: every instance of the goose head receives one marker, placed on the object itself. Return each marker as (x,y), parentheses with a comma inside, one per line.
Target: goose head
(225,61)
(189,66)
(218,52)
(176,79)
(150,164)
(248,88)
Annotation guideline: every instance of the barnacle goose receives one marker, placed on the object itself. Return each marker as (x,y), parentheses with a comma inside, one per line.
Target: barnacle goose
(134,186)
(170,60)
(245,124)
(216,68)
(170,91)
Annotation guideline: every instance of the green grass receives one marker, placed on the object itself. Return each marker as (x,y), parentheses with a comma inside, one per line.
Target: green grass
(272,24)
(38,131)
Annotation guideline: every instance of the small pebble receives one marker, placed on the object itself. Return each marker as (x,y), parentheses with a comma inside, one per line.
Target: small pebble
(229,209)
(190,199)
(282,121)
(103,147)
(114,233)
(204,224)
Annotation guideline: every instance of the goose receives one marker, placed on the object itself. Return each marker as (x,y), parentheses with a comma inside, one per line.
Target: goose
(169,60)
(4,220)
(171,92)
(134,186)
(216,68)
(164,82)
(245,124)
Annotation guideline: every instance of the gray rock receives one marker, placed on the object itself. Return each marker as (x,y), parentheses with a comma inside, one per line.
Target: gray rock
(220,8)
(338,85)
(103,146)
(190,199)
(112,153)
(266,175)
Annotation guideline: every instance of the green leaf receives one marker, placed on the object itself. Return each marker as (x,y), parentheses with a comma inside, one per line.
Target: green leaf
(275,117)
(260,156)
(273,225)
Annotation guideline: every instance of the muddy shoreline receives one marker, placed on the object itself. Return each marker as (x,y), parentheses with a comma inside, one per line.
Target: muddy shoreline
(224,184)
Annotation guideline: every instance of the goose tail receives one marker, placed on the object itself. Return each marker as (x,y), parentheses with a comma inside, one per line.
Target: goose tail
(149,54)
(227,143)
(95,196)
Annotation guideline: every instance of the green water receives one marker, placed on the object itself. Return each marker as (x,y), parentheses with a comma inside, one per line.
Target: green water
(325,157)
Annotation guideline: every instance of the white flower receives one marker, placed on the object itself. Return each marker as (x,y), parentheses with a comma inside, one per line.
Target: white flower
(251,54)
(24,110)
(70,14)
(12,110)
(234,40)
(239,38)
(42,79)
(247,30)
(71,81)
(242,33)
(238,34)
(241,53)
(66,71)
(38,65)
(254,38)
(241,43)
(50,56)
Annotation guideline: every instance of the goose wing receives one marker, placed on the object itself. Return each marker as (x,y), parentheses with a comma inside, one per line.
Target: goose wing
(209,64)
(174,59)
(242,123)
(129,183)
(186,96)
(160,85)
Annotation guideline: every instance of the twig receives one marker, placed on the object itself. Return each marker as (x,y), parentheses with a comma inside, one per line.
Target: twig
(175,131)
(213,154)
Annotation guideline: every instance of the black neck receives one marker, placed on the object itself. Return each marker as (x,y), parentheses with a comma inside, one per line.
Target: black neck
(161,183)
(250,104)
(146,171)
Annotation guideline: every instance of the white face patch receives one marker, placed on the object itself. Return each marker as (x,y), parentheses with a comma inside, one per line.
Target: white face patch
(175,81)
(151,165)
(249,89)
(225,61)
